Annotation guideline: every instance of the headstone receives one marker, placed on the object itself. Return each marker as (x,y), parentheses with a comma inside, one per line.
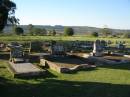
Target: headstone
(109,42)
(2,46)
(120,46)
(27,47)
(97,48)
(16,52)
(58,49)
(103,44)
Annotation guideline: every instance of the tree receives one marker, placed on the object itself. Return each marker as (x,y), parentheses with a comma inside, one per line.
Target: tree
(68,31)
(53,32)
(39,31)
(95,34)
(7,10)
(19,31)
(106,32)
(30,29)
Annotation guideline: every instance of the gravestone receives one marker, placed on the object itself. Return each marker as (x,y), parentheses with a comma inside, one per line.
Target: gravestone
(2,46)
(58,49)
(16,53)
(97,49)
(27,47)
(103,44)
(120,45)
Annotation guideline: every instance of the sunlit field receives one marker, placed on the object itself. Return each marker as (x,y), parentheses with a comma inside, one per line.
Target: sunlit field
(66,38)
(104,81)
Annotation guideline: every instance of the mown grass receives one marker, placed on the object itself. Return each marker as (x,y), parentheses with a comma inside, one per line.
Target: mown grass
(64,38)
(105,81)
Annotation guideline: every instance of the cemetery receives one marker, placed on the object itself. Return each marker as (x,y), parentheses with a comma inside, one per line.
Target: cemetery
(19,62)
(70,48)
(60,61)
(64,57)
(55,65)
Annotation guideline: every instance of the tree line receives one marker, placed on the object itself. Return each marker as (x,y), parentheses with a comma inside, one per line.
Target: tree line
(35,31)
(7,17)
(68,31)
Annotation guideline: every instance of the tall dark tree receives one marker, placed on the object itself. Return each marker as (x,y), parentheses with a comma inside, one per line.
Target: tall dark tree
(7,10)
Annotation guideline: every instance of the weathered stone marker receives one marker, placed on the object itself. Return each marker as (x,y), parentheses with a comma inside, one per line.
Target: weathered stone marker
(58,49)
(97,49)
(16,53)
(120,45)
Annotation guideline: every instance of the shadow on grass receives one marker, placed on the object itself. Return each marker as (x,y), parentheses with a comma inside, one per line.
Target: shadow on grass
(76,71)
(4,56)
(2,67)
(119,66)
(47,74)
(67,59)
(60,88)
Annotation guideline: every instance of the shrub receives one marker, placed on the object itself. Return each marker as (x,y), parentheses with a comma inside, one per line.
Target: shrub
(18,31)
(94,34)
(68,31)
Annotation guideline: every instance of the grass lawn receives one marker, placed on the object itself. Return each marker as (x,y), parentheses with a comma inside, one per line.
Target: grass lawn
(105,81)
(66,38)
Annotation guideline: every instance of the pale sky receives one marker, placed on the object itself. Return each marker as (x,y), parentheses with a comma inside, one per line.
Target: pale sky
(95,13)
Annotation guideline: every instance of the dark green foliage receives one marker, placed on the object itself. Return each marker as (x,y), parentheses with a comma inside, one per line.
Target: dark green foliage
(19,31)
(95,34)
(53,32)
(68,31)
(38,31)
(106,32)
(7,6)
(30,29)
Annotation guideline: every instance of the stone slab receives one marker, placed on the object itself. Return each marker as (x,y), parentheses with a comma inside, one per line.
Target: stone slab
(60,68)
(25,69)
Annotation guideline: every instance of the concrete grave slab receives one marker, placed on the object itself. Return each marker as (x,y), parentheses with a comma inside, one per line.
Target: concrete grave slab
(25,69)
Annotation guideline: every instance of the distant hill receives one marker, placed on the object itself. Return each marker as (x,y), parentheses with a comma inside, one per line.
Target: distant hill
(60,29)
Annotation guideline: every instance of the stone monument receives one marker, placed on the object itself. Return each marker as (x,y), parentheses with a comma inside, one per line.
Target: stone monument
(58,49)
(120,46)
(16,53)
(97,49)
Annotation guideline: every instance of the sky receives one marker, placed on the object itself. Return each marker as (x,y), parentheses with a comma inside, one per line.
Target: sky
(95,13)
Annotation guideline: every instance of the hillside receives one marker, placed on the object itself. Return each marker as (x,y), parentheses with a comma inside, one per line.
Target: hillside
(60,29)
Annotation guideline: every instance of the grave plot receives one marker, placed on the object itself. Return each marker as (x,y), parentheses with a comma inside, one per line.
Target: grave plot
(61,62)
(109,60)
(98,55)
(18,63)
(25,70)
(65,64)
